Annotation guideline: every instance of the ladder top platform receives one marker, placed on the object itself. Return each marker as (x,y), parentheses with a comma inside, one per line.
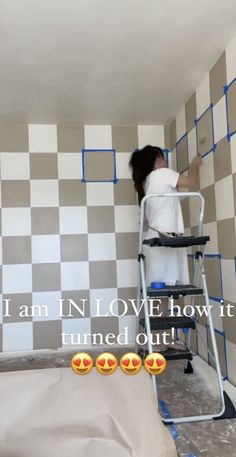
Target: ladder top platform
(177,291)
(177,241)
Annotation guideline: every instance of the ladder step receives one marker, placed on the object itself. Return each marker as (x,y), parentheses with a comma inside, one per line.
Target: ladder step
(174,354)
(174,291)
(163,323)
(171,354)
(177,241)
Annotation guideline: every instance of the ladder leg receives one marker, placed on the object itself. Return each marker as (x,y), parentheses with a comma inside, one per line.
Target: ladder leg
(138,303)
(146,314)
(213,340)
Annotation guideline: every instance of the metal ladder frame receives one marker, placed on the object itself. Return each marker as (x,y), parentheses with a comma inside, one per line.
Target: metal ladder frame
(198,271)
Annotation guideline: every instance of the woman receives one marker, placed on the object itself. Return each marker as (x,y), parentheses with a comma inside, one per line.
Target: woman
(151,174)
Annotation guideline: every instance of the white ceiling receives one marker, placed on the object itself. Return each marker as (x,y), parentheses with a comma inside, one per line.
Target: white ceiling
(107,61)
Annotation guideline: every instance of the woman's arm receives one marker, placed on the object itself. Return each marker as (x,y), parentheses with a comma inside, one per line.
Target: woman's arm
(192,179)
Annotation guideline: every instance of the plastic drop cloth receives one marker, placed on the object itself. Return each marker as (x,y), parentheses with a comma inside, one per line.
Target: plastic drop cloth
(56,413)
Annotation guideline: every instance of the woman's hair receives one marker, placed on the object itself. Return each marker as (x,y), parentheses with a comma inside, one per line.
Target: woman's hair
(142,163)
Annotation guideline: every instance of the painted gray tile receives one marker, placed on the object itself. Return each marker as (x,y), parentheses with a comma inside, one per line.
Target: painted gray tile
(124,138)
(15,194)
(47,334)
(101,219)
(102,274)
(45,221)
(72,192)
(70,137)
(74,248)
(14,137)
(46,276)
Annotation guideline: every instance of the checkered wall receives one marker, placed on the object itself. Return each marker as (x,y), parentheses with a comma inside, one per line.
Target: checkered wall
(218,185)
(63,238)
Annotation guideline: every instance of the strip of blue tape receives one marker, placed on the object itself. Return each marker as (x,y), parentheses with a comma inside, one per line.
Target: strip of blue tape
(226,89)
(173,430)
(112,151)
(167,415)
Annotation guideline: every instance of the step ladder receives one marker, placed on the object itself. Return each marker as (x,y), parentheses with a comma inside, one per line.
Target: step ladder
(198,288)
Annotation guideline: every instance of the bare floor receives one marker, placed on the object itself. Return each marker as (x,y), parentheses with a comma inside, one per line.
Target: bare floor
(181,395)
(194,394)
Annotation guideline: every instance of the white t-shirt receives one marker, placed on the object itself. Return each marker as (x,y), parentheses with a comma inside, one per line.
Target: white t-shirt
(163,213)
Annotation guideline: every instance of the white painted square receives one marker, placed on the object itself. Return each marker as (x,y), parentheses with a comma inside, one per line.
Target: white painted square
(16,279)
(151,134)
(102,246)
(74,326)
(108,304)
(73,220)
(180,123)
(130,322)
(219,116)
(75,275)
(224,198)
(203,98)
(228,279)
(207,171)
(18,336)
(126,219)
(210,229)
(230,60)
(15,165)
(122,165)
(126,273)
(98,136)
(70,165)
(42,138)
(192,144)
(45,248)
(50,301)
(16,221)
(233,152)
(44,193)
(100,194)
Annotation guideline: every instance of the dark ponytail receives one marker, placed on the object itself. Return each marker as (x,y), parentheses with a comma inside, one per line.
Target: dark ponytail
(142,163)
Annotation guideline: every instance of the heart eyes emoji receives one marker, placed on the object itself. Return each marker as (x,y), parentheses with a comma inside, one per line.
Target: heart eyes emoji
(155,363)
(130,363)
(82,363)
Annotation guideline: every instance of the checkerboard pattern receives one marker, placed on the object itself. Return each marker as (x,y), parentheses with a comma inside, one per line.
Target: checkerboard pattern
(218,185)
(63,238)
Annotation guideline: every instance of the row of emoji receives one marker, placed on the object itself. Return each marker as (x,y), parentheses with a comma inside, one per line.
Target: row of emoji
(130,363)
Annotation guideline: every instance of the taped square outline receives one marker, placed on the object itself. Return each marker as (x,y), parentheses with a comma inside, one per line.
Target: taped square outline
(226,89)
(176,146)
(85,151)
(196,121)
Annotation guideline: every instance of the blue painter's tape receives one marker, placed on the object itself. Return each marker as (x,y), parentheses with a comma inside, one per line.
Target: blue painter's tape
(166,152)
(167,415)
(191,455)
(177,152)
(226,90)
(196,121)
(87,151)
(158,285)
